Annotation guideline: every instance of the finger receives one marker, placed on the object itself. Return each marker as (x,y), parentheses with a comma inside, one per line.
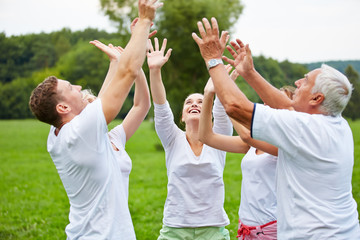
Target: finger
(201,29)
(228,68)
(240,43)
(207,26)
(224,38)
(163,47)
(247,49)
(119,49)
(234,75)
(151,48)
(235,46)
(196,38)
(231,51)
(157,5)
(156,44)
(133,23)
(99,44)
(228,60)
(215,26)
(168,54)
(152,34)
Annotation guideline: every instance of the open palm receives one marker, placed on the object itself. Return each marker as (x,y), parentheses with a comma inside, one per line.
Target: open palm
(155,56)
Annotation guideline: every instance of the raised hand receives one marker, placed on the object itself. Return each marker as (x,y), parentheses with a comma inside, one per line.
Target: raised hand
(156,57)
(113,52)
(242,61)
(211,46)
(147,9)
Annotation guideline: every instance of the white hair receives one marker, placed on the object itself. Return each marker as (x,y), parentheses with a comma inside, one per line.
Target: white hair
(336,89)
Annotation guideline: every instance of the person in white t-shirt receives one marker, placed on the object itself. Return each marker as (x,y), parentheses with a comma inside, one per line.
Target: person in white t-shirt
(79,144)
(194,207)
(316,148)
(257,211)
(120,134)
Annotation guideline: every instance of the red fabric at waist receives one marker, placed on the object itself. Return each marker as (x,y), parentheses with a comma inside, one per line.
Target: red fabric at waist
(245,230)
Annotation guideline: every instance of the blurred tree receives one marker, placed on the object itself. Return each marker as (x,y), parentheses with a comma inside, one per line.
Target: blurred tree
(185,72)
(14,95)
(352,110)
(292,72)
(86,65)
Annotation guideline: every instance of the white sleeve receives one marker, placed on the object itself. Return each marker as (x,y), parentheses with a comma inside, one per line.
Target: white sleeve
(164,123)
(87,132)
(279,127)
(118,136)
(222,123)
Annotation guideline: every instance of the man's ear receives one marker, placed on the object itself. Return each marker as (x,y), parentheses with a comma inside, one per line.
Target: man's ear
(63,108)
(317,99)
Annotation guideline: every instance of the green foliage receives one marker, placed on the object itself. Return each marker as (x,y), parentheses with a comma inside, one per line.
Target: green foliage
(339,65)
(352,109)
(185,73)
(27,60)
(34,204)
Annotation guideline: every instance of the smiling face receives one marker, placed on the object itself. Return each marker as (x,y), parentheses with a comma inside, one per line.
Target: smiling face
(303,93)
(192,107)
(71,97)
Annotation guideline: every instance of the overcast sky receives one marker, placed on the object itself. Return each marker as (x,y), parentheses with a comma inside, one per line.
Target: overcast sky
(297,30)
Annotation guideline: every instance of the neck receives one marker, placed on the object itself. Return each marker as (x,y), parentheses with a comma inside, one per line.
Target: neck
(192,134)
(57,130)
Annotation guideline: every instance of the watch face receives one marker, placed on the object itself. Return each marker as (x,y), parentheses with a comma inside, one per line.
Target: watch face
(212,62)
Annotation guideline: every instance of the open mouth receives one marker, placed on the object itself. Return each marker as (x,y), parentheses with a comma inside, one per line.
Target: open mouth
(194,111)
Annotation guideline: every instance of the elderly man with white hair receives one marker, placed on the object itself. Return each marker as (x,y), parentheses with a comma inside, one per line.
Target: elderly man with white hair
(316,148)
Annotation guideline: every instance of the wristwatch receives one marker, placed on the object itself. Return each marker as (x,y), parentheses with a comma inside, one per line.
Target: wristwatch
(214,62)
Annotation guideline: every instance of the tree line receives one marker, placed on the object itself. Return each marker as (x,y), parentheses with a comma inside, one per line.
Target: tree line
(28,59)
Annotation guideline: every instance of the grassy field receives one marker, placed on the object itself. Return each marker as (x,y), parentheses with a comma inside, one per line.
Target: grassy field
(33,203)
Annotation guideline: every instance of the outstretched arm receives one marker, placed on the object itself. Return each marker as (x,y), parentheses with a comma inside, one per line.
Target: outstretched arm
(140,107)
(114,54)
(114,95)
(211,46)
(243,63)
(245,136)
(206,133)
(156,58)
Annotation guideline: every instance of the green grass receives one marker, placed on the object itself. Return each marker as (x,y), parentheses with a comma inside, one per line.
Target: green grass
(33,203)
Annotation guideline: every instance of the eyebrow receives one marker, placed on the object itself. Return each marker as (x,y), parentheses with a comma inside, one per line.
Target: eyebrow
(306,77)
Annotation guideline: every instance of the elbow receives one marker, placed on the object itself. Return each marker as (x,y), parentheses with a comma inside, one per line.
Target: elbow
(128,71)
(232,109)
(246,137)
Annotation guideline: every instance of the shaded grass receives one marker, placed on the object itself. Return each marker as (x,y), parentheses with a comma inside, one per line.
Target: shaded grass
(34,205)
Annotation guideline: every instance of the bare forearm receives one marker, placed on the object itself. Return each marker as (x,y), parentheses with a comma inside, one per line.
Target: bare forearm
(109,76)
(157,87)
(205,126)
(142,95)
(140,107)
(234,101)
(133,56)
(268,93)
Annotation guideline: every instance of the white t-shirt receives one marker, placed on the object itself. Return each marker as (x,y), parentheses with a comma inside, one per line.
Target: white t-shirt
(258,196)
(118,138)
(195,183)
(91,175)
(314,170)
